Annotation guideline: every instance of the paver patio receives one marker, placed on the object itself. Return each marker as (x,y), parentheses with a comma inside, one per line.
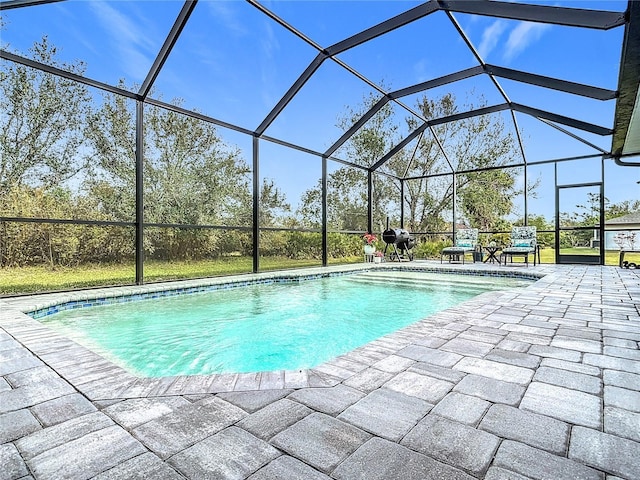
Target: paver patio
(541,382)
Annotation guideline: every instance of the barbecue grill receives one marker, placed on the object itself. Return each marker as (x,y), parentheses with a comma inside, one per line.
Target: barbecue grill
(400,241)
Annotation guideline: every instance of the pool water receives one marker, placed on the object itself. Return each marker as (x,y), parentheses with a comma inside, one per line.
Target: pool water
(265,327)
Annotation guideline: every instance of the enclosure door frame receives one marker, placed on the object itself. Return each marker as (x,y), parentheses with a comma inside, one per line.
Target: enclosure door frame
(577,258)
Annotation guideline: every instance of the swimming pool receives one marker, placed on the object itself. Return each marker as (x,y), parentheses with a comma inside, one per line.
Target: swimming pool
(265,327)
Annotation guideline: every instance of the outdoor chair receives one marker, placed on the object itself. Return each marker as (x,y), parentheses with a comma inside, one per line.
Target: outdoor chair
(466,241)
(523,243)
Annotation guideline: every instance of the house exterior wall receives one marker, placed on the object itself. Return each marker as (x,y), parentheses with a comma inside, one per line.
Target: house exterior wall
(613,240)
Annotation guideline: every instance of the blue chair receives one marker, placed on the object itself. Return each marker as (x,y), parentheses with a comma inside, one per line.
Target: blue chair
(466,241)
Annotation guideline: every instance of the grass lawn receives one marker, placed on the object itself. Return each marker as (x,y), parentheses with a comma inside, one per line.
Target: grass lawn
(43,278)
(548,255)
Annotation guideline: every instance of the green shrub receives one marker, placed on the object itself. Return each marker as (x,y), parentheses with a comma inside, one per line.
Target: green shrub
(429,249)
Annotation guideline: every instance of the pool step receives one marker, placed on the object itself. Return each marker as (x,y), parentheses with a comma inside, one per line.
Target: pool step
(415,282)
(430,279)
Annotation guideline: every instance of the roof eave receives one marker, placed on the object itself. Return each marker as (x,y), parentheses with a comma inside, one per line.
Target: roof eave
(626,137)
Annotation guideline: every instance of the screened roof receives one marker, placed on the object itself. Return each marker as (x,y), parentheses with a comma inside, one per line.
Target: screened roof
(563,75)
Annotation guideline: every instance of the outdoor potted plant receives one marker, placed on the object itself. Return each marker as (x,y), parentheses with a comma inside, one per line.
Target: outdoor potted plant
(369,247)
(377,257)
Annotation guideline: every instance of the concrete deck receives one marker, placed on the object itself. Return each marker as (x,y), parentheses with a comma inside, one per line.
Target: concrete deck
(541,382)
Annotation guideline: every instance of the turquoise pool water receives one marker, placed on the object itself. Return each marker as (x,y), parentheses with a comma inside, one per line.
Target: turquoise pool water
(265,327)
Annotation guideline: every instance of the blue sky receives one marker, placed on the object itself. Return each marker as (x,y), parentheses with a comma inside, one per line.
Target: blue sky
(234,64)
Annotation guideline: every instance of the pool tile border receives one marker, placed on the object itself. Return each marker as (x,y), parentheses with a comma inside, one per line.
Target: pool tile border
(107,299)
(126,298)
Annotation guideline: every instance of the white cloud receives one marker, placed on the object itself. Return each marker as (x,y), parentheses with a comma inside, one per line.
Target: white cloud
(522,36)
(269,47)
(490,38)
(421,69)
(127,38)
(269,41)
(226,14)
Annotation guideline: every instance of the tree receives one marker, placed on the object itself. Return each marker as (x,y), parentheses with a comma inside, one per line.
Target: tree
(347,194)
(191,176)
(42,122)
(484,198)
(346,201)
(588,215)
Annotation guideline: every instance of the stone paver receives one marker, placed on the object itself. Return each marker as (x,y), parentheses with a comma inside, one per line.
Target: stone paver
(564,404)
(536,430)
(534,383)
(52,437)
(368,380)
(462,408)
(87,456)
(513,346)
(32,394)
(386,413)
(614,363)
(540,465)
(31,375)
(436,357)
(556,352)
(623,423)
(442,373)
(328,400)
(142,467)
(178,430)
(285,467)
(380,459)
(495,370)
(393,364)
(466,347)
(19,364)
(572,380)
(18,424)
(627,380)
(61,409)
(580,344)
(321,441)
(254,401)
(606,452)
(13,466)
(274,418)
(133,413)
(632,354)
(231,453)
(422,386)
(514,358)
(622,398)
(570,366)
(489,389)
(453,443)
(498,473)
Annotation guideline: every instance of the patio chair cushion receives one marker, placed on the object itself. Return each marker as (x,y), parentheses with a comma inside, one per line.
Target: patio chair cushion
(523,243)
(523,237)
(467,238)
(456,249)
(517,250)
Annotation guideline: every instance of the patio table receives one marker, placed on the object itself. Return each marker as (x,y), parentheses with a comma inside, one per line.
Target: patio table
(491,251)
